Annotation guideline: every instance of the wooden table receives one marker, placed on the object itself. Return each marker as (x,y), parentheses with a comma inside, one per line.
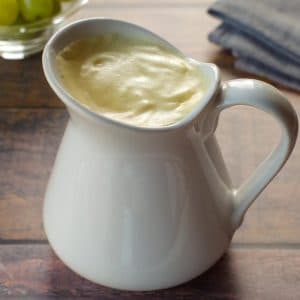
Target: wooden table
(264,259)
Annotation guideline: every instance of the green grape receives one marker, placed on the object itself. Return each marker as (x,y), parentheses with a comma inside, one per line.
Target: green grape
(33,10)
(9,10)
(19,20)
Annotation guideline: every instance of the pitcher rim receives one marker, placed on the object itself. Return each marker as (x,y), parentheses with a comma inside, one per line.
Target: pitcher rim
(72,103)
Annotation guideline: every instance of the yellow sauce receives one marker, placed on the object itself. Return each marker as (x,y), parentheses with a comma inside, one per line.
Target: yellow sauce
(130,80)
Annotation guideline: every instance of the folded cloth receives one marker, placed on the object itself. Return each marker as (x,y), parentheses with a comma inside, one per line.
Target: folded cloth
(264,35)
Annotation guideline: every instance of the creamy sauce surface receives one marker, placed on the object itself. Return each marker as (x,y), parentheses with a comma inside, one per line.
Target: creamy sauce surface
(130,80)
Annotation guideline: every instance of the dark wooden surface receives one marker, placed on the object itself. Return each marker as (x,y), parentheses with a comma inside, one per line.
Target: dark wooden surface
(241,274)
(264,259)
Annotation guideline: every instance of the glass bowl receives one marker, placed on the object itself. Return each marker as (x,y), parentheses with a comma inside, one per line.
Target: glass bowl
(19,41)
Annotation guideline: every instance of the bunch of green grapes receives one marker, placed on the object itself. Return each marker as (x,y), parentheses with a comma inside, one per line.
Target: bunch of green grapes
(26,11)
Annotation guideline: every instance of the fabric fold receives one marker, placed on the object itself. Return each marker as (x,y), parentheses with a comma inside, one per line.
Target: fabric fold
(264,36)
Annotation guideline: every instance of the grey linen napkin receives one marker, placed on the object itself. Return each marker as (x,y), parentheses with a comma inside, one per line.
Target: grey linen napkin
(264,35)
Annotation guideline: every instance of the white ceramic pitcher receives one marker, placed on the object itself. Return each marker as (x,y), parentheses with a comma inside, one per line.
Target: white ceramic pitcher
(142,209)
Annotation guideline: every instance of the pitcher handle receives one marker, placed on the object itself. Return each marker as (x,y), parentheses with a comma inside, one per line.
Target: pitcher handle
(268,99)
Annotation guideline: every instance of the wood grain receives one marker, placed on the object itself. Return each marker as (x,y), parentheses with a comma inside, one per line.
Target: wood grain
(29,139)
(22,84)
(28,142)
(34,271)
